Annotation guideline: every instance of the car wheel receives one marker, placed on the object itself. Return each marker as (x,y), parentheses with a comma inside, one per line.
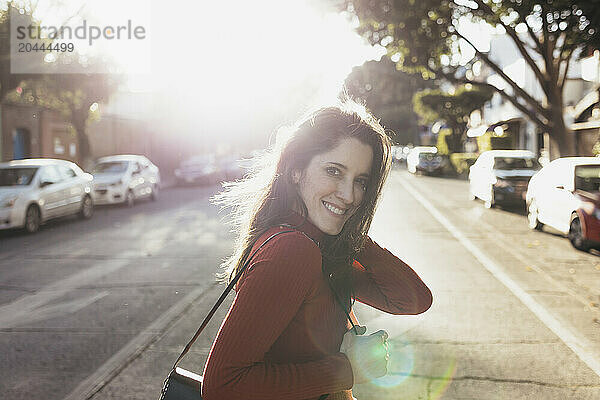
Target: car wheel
(490,203)
(32,219)
(576,235)
(87,208)
(154,194)
(532,217)
(129,199)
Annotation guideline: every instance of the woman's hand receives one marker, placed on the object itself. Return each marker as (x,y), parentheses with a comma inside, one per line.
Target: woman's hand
(368,355)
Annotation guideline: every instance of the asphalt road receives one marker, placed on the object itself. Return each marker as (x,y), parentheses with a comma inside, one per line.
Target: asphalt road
(100,309)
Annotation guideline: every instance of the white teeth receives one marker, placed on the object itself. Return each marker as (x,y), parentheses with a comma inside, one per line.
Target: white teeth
(333,209)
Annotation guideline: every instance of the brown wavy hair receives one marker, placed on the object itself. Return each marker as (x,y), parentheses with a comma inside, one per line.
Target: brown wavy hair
(268,193)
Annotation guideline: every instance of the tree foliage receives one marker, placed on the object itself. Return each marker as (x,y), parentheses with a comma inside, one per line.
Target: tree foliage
(10,81)
(425,36)
(72,95)
(453,108)
(387,92)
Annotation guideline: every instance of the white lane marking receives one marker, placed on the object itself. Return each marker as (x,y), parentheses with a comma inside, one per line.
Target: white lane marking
(136,346)
(15,313)
(504,242)
(583,348)
(10,313)
(53,311)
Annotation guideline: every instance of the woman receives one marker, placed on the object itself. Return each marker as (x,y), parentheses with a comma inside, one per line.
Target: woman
(284,336)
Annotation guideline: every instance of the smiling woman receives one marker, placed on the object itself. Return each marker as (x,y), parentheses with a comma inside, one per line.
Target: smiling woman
(286,335)
(334,183)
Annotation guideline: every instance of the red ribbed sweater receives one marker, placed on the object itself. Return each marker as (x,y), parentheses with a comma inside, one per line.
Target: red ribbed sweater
(281,337)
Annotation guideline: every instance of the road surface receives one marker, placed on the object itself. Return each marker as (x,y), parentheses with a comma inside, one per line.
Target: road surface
(100,309)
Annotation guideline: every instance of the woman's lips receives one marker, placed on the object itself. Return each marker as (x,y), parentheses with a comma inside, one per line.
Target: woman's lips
(337,211)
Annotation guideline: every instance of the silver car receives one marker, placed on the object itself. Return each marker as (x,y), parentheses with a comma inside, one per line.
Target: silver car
(33,191)
(125,179)
(502,176)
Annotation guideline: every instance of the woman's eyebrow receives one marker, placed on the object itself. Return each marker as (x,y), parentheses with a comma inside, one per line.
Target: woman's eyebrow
(342,166)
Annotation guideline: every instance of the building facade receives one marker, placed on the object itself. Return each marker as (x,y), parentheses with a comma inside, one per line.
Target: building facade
(30,131)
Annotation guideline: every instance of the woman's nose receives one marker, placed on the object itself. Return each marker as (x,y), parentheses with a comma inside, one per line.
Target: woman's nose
(345,192)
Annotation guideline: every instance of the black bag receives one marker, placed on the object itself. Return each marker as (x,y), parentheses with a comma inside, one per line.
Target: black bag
(182,384)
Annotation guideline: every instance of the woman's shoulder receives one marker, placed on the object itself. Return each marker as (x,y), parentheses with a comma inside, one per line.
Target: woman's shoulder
(286,240)
(290,249)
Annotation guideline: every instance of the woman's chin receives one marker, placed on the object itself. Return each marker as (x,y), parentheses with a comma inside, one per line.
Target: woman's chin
(331,229)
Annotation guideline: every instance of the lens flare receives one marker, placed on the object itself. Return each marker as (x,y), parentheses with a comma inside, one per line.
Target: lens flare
(413,370)
(439,386)
(400,365)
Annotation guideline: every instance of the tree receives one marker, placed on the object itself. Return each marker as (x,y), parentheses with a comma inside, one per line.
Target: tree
(72,95)
(387,93)
(454,109)
(10,81)
(423,35)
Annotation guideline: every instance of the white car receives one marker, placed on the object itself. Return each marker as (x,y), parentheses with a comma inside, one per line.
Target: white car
(565,195)
(501,176)
(124,179)
(424,159)
(200,169)
(33,191)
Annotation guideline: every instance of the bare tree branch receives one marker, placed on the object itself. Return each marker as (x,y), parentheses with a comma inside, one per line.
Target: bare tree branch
(526,96)
(535,38)
(519,43)
(563,78)
(549,47)
(512,99)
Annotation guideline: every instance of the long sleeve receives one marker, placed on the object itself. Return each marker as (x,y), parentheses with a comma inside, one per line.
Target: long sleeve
(269,296)
(385,282)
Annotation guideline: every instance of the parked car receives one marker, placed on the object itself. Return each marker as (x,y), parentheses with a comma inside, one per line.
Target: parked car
(234,167)
(33,191)
(424,159)
(501,176)
(565,195)
(201,169)
(125,179)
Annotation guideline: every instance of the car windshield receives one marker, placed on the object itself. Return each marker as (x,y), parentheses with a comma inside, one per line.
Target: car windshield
(198,160)
(426,156)
(587,178)
(110,167)
(515,163)
(16,176)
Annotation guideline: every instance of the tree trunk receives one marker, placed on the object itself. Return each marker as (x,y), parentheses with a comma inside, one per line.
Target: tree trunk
(78,119)
(454,141)
(562,140)
(83,144)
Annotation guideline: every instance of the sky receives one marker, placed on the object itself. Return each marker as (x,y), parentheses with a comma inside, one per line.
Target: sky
(221,68)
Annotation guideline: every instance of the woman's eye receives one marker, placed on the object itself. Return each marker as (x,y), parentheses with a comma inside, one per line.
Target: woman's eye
(333,171)
(362,184)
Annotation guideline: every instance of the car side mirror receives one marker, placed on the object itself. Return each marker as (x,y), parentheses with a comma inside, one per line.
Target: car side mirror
(45,183)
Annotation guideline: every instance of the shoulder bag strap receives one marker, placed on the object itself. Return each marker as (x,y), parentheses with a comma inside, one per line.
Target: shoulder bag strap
(222,298)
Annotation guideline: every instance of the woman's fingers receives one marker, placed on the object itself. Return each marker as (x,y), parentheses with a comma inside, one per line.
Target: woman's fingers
(380,333)
(369,355)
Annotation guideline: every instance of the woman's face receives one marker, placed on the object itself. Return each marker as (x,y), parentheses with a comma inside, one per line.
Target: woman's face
(334,184)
